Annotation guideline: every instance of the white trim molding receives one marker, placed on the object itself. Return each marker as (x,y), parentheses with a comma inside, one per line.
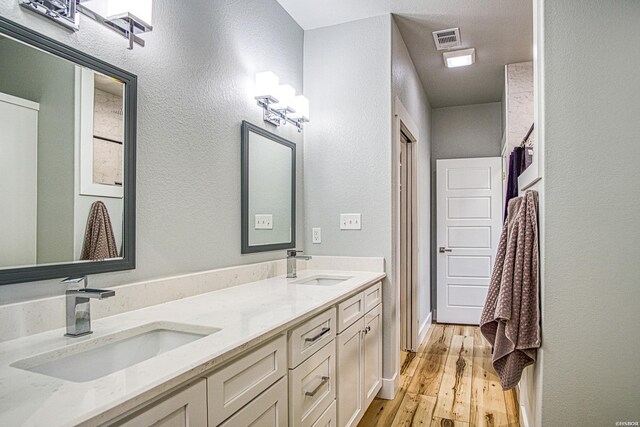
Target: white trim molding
(10,99)
(389,387)
(533,173)
(424,328)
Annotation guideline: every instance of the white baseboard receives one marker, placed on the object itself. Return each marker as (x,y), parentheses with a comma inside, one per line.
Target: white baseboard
(424,328)
(389,387)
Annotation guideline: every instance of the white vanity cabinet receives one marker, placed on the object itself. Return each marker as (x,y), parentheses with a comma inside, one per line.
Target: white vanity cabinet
(359,355)
(322,372)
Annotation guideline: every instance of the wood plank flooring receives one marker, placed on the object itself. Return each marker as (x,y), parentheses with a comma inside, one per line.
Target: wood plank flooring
(449,382)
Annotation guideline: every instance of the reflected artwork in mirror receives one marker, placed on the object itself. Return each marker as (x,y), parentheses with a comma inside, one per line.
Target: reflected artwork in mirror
(268,191)
(67,160)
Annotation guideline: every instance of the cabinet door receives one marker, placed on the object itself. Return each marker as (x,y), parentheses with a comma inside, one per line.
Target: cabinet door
(186,408)
(350,372)
(267,410)
(372,354)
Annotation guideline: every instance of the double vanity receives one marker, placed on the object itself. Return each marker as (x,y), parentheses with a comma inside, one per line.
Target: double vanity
(298,352)
(237,346)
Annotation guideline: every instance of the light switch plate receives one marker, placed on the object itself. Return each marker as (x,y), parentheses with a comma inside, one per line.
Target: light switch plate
(351,221)
(264,222)
(316,235)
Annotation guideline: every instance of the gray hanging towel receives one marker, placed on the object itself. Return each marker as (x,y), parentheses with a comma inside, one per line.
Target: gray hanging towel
(510,319)
(99,242)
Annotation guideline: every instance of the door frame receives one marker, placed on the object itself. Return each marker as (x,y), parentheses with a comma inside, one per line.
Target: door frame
(403,123)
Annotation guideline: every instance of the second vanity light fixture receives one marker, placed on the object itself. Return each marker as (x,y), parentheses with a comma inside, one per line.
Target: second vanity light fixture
(126,17)
(279,102)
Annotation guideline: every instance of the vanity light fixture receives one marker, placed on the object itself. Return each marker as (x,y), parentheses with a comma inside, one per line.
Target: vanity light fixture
(279,102)
(459,58)
(126,17)
(63,12)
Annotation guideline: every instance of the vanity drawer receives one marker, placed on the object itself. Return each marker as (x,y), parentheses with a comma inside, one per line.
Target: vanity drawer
(312,335)
(236,384)
(350,310)
(267,410)
(186,407)
(372,296)
(329,418)
(312,387)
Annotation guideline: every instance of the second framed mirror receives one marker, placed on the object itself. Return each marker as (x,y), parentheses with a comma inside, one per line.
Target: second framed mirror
(268,191)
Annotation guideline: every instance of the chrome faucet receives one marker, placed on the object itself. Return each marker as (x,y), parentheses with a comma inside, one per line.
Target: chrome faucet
(292,266)
(79,308)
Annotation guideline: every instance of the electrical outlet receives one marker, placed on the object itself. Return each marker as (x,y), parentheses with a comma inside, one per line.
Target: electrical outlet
(264,222)
(350,221)
(316,235)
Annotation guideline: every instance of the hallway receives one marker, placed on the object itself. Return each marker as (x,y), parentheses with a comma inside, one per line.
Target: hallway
(448,382)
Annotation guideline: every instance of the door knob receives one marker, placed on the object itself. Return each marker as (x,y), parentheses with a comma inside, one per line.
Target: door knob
(442,249)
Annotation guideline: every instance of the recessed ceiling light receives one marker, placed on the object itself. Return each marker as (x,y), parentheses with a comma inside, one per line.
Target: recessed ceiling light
(459,58)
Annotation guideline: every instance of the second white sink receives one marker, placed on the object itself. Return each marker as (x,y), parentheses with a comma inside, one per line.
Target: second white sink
(322,280)
(93,359)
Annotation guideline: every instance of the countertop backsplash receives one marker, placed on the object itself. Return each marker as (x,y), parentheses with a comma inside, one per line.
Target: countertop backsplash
(40,315)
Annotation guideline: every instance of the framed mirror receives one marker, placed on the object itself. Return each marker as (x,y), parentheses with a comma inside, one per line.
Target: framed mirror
(67,160)
(268,191)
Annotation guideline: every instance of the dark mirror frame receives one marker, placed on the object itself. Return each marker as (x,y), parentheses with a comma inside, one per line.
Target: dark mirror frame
(52,271)
(246,248)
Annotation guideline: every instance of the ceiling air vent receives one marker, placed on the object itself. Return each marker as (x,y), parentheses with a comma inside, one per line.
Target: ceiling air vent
(447,39)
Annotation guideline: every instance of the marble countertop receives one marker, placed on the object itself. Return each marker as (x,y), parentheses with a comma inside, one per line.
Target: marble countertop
(246,314)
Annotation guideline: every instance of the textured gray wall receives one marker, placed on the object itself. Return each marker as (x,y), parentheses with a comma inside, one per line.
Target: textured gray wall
(347,73)
(195,87)
(406,85)
(30,74)
(461,132)
(590,334)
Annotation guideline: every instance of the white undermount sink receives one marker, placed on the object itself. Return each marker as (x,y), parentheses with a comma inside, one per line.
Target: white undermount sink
(93,359)
(322,280)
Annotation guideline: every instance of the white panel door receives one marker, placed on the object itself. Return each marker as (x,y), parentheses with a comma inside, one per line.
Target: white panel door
(469,206)
(18,180)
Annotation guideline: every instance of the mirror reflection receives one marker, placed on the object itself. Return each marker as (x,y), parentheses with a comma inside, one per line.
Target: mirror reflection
(61,160)
(268,190)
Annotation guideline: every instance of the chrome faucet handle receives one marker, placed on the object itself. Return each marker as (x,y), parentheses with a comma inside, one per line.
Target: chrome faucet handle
(75,280)
(91,293)
(293,252)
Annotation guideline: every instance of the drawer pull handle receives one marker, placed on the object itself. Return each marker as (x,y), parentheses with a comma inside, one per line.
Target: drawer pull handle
(317,337)
(315,390)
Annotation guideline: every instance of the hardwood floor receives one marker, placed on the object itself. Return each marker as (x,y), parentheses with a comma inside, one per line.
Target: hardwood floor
(449,382)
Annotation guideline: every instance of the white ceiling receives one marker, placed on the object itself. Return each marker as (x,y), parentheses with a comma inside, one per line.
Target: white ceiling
(500,30)
(310,14)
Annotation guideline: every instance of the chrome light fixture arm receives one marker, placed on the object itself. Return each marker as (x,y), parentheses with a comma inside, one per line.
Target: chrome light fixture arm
(278,117)
(63,12)
(67,12)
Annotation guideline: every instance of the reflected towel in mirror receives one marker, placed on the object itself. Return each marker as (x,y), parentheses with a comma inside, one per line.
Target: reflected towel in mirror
(99,241)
